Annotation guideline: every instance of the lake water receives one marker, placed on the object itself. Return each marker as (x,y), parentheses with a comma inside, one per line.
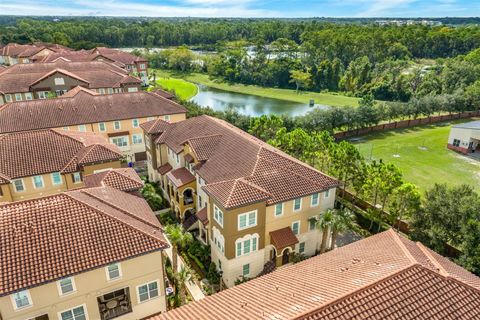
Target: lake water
(252,105)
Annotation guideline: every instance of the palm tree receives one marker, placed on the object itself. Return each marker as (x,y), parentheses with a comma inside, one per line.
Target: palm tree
(182,276)
(324,222)
(342,221)
(178,238)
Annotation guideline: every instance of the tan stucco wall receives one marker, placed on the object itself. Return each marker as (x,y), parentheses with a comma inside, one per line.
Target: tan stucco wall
(92,284)
(49,188)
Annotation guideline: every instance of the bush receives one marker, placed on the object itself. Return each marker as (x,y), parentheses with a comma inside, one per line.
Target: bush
(213,275)
(167,218)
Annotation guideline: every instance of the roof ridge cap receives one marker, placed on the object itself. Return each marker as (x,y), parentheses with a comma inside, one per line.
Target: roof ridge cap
(115,171)
(434,261)
(254,185)
(399,242)
(88,192)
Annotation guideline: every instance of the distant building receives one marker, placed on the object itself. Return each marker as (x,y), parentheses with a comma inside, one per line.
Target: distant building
(384,276)
(42,80)
(14,53)
(45,162)
(253,204)
(465,137)
(134,65)
(85,254)
(117,117)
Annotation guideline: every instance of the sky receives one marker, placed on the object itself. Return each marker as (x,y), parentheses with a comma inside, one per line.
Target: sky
(245,8)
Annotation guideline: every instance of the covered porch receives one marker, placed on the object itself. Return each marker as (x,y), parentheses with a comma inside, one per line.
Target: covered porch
(181,186)
(283,242)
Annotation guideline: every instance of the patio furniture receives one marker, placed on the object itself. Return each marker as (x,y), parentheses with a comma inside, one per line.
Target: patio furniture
(112,304)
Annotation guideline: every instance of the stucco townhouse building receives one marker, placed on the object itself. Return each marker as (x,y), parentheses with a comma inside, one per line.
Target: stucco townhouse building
(88,254)
(24,82)
(50,161)
(14,53)
(251,202)
(117,117)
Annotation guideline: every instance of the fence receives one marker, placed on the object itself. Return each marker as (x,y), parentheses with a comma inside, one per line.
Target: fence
(405,124)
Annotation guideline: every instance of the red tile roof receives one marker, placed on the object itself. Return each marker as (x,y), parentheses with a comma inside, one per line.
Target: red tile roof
(20,77)
(27,50)
(164,169)
(83,108)
(384,276)
(240,169)
(99,226)
(180,177)
(39,152)
(283,238)
(155,126)
(202,215)
(124,179)
(164,93)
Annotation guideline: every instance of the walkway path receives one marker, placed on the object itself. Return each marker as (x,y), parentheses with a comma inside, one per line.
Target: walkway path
(192,287)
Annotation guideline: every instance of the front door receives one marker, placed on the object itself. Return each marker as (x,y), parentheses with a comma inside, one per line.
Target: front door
(285,257)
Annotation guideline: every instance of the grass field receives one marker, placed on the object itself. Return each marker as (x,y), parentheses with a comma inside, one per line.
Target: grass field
(422,155)
(184,89)
(330,99)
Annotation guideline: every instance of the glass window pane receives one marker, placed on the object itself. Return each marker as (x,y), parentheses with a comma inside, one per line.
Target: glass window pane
(246,246)
(251,218)
(254,244)
(67,315)
(239,248)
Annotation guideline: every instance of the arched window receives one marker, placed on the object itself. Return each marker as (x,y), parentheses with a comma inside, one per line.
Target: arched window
(246,244)
(218,239)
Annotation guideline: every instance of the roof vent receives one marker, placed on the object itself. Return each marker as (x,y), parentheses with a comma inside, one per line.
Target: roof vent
(344,269)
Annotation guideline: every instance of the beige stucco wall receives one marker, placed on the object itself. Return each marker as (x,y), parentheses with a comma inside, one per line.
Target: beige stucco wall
(465,136)
(92,284)
(49,188)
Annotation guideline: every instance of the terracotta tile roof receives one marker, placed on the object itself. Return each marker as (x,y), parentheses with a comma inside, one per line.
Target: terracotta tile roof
(27,50)
(46,151)
(379,277)
(83,108)
(124,179)
(230,154)
(118,55)
(283,238)
(180,177)
(20,77)
(100,226)
(164,169)
(163,93)
(202,215)
(154,126)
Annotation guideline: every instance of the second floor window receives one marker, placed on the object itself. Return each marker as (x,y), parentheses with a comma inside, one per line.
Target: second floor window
(101,127)
(137,138)
(278,209)
(247,220)
(120,141)
(135,123)
(77,177)
(246,245)
(148,291)
(297,204)
(21,299)
(19,186)
(82,128)
(218,215)
(296,227)
(113,271)
(38,182)
(116,125)
(314,200)
(66,286)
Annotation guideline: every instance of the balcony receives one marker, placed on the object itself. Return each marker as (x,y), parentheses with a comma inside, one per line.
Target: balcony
(114,304)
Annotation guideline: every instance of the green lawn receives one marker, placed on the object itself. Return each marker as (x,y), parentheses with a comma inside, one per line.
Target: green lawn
(184,89)
(422,166)
(331,99)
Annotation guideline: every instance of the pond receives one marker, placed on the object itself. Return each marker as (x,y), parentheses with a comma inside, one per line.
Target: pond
(220,100)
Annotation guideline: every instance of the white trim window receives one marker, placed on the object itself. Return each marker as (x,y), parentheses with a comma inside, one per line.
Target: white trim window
(132,89)
(76,177)
(135,123)
(246,245)
(301,247)
(110,90)
(246,270)
(113,271)
(137,138)
(38,182)
(278,209)
(247,220)
(327,193)
(28,96)
(8,97)
(82,128)
(21,300)
(218,239)
(166,118)
(59,81)
(142,65)
(42,95)
(314,202)
(19,185)
(18,97)
(77,313)
(66,286)
(117,125)
(296,227)
(120,142)
(102,127)
(218,215)
(101,91)
(297,204)
(312,223)
(147,291)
